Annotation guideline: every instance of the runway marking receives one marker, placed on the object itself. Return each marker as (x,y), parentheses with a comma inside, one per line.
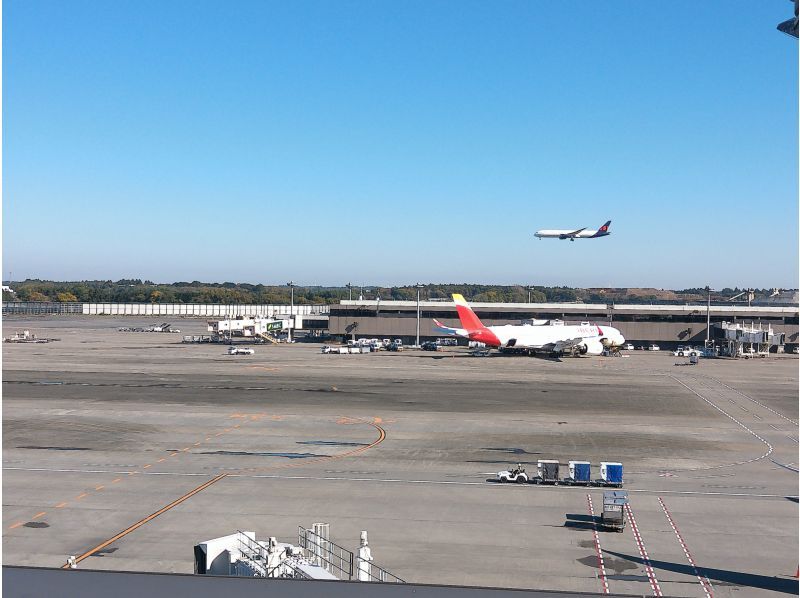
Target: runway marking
(792,438)
(757,416)
(41,514)
(17,524)
(201,487)
(749,398)
(506,488)
(704,582)
(254,417)
(770,448)
(150,517)
(774,427)
(648,567)
(597,548)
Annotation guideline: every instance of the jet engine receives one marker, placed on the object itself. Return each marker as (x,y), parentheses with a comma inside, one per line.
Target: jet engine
(592,347)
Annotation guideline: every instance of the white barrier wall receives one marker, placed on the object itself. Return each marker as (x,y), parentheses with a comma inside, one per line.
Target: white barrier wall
(198,309)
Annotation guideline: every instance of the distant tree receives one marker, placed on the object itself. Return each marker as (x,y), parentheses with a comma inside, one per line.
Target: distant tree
(66,298)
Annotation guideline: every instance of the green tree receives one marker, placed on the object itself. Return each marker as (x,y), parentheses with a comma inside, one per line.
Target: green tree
(66,298)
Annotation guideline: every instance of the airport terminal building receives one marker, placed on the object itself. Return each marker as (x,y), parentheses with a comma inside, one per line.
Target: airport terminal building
(666,325)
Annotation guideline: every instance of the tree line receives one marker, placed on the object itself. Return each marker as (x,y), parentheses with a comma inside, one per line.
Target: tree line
(139,291)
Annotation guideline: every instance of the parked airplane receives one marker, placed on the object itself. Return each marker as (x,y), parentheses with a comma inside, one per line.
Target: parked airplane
(582,339)
(581,233)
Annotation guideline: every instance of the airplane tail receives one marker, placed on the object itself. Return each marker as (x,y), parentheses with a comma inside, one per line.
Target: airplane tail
(472,325)
(603,230)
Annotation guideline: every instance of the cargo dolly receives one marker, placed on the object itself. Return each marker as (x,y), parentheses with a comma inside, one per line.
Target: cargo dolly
(615,514)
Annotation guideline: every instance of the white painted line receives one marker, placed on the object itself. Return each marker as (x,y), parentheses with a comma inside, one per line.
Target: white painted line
(739,392)
(598,549)
(507,487)
(774,427)
(770,448)
(648,567)
(704,582)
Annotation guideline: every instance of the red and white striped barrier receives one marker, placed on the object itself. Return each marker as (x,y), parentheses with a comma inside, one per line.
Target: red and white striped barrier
(706,585)
(600,563)
(643,552)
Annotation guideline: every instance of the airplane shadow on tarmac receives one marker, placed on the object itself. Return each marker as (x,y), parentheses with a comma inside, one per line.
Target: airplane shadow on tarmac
(736,578)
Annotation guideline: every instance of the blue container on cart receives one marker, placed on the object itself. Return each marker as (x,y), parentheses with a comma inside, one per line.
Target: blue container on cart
(580,472)
(611,473)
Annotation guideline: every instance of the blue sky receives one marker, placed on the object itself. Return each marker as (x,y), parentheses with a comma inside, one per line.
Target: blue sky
(384,143)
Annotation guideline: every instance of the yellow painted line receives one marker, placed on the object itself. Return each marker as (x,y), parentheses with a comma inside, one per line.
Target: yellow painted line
(146,466)
(173,454)
(81,495)
(17,524)
(186,449)
(117,480)
(162,459)
(141,522)
(42,514)
(61,505)
(100,487)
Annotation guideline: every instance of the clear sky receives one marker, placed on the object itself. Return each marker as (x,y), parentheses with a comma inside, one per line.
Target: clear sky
(394,142)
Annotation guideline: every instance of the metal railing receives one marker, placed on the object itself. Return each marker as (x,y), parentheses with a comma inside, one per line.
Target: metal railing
(380,574)
(335,559)
(255,555)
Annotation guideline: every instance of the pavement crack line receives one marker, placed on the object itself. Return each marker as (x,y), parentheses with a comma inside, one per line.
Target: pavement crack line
(381,437)
(770,448)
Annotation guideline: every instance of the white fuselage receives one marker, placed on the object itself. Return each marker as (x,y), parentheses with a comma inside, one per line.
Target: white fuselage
(594,338)
(564,234)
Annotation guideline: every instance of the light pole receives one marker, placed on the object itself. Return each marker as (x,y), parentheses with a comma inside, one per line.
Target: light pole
(350,288)
(419,289)
(291,286)
(708,316)
(530,290)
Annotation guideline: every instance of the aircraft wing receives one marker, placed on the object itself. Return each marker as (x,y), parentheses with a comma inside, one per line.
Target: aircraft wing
(575,232)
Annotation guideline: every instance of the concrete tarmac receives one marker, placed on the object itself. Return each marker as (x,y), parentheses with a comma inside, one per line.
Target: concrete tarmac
(103,429)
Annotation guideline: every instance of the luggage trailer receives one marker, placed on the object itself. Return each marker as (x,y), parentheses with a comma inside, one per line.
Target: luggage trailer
(614,514)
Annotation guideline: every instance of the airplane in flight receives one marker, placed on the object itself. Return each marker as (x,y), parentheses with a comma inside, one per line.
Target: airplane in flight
(549,339)
(581,233)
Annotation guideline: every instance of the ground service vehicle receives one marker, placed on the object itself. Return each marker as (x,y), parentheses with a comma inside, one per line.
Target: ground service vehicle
(614,514)
(240,351)
(580,473)
(682,351)
(430,346)
(516,475)
(654,347)
(610,474)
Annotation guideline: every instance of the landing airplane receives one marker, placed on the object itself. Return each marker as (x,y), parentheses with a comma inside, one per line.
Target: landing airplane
(581,233)
(580,340)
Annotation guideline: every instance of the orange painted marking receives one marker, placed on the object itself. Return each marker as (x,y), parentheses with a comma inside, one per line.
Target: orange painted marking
(99,487)
(197,444)
(141,522)
(81,495)
(17,524)
(146,466)
(173,454)
(117,480)
(209,438)
(42,514)
(61,505)
(218,434)
(161,460)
